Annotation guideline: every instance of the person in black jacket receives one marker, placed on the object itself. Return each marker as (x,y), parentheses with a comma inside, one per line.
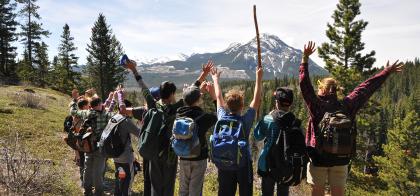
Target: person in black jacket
(191,170)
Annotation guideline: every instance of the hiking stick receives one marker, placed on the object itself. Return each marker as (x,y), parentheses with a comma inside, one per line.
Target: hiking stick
(258,36)
(258,49)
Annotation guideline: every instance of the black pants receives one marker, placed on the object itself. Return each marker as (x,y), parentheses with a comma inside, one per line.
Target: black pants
(228,181)
(147,184)
(81,165)
(162,176)
(268,184)
(122,185)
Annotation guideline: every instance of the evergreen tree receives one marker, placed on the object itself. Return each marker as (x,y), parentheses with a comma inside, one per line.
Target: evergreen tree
(7,37)
(399,166)
(32,31)
(342,55)
(65,78)
(102,61)
(41,61)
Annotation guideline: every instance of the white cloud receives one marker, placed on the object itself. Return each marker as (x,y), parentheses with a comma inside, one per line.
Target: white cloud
(167,28)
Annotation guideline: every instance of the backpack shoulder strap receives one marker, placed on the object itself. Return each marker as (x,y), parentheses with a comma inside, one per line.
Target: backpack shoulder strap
(199,116)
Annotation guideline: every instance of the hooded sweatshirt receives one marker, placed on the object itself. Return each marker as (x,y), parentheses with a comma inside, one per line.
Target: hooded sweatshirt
(204,123)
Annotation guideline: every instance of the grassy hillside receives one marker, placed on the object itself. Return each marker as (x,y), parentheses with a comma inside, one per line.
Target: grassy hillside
(40,132)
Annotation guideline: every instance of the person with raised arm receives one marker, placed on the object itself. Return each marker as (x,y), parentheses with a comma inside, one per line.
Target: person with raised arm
(229,114)
(162,171)
(331,132)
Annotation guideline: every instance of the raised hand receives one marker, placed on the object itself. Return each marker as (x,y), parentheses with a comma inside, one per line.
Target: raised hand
(210,90)
(207,67)
(203,87)
(74,93)
(309,49)
(215,73)
(395,67)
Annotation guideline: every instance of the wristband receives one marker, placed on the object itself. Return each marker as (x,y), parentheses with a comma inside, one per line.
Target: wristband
(138,77)
(305,58)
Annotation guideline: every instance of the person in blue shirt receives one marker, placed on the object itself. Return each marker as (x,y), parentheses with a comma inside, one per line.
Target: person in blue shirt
(267,130)
(229,179)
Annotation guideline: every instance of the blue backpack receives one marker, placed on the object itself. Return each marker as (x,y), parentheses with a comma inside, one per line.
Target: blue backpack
(185,141)
(228,144)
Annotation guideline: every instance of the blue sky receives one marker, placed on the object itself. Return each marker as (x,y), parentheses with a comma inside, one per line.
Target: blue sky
(165,28)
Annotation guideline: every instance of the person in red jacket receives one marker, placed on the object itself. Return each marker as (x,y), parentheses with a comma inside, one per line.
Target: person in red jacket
(322,168)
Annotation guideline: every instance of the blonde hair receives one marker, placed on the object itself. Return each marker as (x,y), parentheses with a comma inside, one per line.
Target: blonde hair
(326,83)
(234,100)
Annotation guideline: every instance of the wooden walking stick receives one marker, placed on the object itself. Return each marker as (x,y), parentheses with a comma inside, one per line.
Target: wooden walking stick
(258,36)
(258,49)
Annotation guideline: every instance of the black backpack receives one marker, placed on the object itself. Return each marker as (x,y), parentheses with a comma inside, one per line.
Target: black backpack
(337,133)
(112,144)
(287,159)
(68,124)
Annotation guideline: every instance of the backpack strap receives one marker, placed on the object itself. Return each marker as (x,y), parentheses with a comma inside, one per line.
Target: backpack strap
(199,116)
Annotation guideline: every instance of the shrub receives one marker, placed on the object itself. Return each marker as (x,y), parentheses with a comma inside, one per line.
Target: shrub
(22,174)
(27,99)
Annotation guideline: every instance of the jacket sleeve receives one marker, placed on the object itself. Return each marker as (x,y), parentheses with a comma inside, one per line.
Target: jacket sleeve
(361,94)
(132,128)
(74,111)
(308,92)
(208,120)
(259,131)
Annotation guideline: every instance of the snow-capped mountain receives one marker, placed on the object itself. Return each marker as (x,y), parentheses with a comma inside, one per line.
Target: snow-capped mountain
(238,61)
(159,60)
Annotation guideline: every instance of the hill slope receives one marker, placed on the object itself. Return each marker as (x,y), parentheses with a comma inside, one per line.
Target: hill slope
(40,131)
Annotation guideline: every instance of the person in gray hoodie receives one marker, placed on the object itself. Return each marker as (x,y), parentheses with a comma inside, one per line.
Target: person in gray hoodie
(124,168)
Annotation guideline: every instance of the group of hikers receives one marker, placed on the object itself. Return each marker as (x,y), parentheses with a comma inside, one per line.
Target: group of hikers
(174,133)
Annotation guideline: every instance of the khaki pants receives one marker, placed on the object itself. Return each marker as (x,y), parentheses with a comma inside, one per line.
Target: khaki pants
(191,177)
(336,175)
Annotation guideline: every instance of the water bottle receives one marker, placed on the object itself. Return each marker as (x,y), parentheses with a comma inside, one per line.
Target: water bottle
(121,173)
(124,60)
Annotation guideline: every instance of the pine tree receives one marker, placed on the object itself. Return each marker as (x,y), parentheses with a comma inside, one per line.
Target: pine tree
(102,62)
(399,166)
(8,35)
(65,78)
(342,55)
(32,31)
(41,61)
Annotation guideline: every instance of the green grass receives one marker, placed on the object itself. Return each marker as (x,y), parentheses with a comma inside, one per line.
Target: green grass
(40,131)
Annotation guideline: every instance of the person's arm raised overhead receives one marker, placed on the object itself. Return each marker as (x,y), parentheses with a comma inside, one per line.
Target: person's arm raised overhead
(361,94)
(255,103)
(205,71)
(109,99)
(131,65)
(113,101)
(121,105)
(215,75)
(308,92)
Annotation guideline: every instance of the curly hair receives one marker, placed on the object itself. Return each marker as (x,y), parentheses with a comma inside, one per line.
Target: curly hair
(234,100)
